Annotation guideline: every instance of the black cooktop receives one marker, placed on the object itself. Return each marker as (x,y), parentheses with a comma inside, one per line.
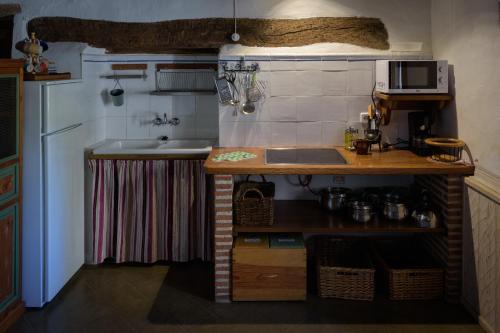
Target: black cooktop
(304,156)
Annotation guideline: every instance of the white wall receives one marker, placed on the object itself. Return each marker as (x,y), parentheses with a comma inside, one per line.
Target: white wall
(481,291)
(309,101)
(406,21)
(408,24)
(198,115)
(467,34)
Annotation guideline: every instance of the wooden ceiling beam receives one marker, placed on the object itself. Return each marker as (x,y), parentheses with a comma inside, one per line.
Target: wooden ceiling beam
(209,34)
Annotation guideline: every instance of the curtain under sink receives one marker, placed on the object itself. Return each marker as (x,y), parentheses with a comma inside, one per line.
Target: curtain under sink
(150,210)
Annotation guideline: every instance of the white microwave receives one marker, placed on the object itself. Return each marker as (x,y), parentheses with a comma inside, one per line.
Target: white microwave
(412,76)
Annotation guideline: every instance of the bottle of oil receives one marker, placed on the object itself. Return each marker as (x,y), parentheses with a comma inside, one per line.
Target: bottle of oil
(350,135)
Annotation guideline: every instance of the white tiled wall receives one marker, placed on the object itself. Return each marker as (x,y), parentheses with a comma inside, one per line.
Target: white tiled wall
(198,115)
(309,101)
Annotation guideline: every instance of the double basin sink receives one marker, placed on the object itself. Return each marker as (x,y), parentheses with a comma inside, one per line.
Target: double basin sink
(194,146)
(155,147)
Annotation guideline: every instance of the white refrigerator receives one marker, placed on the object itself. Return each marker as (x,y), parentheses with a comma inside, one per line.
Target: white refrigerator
(53,188)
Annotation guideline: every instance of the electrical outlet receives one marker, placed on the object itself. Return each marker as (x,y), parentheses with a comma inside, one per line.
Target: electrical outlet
(363,117)
(338,180)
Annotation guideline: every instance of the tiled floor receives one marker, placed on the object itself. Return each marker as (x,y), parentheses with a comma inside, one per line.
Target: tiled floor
(158,299)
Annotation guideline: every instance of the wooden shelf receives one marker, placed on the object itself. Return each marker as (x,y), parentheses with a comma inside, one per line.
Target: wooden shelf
(47,77)
(308,217)
(388,102)
(128,67)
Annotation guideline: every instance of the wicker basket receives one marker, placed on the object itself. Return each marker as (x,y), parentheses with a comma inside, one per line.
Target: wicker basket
(409,272)
(253,210)
(446,149)
(345,270)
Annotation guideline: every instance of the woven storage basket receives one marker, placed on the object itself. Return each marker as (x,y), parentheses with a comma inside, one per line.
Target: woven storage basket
(253,210)
(345,270)
(410,273)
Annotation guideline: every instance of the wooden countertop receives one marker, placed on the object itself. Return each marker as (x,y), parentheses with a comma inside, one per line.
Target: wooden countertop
(402,162)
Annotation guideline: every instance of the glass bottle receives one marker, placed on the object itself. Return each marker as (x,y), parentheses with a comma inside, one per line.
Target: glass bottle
(350,135)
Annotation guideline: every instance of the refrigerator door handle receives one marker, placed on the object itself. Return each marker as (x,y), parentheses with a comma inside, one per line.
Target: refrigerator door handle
(62,130)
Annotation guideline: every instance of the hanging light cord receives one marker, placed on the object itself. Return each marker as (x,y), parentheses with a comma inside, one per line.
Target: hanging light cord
(234,14)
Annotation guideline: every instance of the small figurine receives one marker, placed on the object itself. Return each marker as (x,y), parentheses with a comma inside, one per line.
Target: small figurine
(33,49)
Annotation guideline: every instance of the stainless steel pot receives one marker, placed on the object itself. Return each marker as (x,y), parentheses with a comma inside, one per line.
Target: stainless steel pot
(333,198)
(395,210)
(374,196)
(425,218)
(361,211)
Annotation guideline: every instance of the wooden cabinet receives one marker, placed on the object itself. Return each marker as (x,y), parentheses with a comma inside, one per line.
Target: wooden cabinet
(265,273)
(11,116)
(9,224)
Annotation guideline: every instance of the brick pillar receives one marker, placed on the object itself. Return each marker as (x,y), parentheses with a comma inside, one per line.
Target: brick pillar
(447,196)
(223,235)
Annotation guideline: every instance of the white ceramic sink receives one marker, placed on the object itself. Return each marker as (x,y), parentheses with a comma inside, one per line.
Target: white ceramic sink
(153,147)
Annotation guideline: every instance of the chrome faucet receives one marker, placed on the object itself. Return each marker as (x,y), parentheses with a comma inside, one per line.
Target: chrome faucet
(165,121)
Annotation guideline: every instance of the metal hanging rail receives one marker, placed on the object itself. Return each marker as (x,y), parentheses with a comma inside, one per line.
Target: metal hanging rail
(143,76)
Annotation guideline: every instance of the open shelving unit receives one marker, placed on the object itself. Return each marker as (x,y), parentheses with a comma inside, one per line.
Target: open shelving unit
(307,216)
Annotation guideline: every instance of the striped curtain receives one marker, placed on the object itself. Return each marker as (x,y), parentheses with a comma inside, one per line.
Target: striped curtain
(145,211)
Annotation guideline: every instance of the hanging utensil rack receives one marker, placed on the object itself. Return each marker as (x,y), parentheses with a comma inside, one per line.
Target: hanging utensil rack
(127,67)
(240,66)
(236,73)
(185,79)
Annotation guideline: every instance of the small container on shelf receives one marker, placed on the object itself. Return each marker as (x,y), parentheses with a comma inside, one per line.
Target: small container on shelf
(254,202)
(350,135)
(361,211)
(446,149)
(345,269)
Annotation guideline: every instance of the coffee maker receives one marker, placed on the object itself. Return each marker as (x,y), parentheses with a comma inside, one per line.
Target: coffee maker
(419,128)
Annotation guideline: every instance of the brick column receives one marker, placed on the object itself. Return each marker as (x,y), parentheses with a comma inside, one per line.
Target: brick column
(447,196)
(223,243)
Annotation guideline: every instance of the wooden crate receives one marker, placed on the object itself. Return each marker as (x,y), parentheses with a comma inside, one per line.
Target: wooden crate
(264,273)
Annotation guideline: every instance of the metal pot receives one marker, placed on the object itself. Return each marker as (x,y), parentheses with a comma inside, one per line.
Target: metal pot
(374,196)
(333,198)
(395,210)
(425,218)
(361,211)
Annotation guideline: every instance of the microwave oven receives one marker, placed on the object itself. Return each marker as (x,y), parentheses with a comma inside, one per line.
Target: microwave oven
(412,76)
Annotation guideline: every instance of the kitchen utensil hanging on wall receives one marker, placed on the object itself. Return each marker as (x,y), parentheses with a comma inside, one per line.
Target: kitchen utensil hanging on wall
(248,107)
(117,94)
(225,90)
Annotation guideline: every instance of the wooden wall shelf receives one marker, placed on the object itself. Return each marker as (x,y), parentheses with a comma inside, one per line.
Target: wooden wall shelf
(47,76)
(308,217)
(429,102)
(128,67)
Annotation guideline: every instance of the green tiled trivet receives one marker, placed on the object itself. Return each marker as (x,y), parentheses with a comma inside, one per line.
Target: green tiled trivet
(234,156)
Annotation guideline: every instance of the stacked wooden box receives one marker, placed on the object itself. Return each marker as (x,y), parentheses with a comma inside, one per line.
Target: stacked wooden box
(269,268)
